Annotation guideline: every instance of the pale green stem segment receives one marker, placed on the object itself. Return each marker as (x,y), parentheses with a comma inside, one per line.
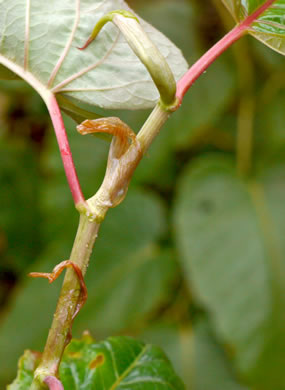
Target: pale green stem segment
(145,50)
(152,126)
(60,332)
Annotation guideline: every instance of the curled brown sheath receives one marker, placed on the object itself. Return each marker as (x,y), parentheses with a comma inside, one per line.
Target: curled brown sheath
(111,125)
(124,155)
(52,276)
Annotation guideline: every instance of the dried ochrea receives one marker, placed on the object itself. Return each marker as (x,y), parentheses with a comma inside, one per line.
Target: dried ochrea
(124,155)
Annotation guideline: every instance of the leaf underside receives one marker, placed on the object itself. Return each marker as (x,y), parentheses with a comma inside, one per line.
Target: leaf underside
(42,38)
(269,28)
(116,363)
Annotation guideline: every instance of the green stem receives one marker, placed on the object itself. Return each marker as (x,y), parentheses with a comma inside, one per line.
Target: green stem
(60,330)
(152,126)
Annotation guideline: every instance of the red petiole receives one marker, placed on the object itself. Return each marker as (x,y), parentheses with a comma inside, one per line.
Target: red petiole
(208,58)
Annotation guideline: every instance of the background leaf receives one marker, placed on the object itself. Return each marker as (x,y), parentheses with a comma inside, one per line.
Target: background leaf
(247,216)
(211,368)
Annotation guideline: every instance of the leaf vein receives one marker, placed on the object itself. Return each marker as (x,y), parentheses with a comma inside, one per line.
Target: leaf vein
(125,373)
(58,87)
(111,87)
(27,34)
(96,8)
(67,47)
(278,6)
(272,24)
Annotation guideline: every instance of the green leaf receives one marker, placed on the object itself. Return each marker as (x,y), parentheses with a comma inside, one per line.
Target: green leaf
(269,27)
(117,363)
(42,38)
(125,363)
(230,235)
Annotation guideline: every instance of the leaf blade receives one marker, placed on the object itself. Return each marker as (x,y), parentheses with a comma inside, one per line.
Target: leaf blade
(247,220)
(42,38)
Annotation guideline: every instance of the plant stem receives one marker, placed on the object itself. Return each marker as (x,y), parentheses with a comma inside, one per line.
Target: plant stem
(208,58)
(64,149)
(152,127)
(60,330)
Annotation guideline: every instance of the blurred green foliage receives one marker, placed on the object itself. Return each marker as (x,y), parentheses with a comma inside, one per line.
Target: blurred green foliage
(194,258)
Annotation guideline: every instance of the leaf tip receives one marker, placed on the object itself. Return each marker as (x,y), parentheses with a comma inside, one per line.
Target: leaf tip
(86,44)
